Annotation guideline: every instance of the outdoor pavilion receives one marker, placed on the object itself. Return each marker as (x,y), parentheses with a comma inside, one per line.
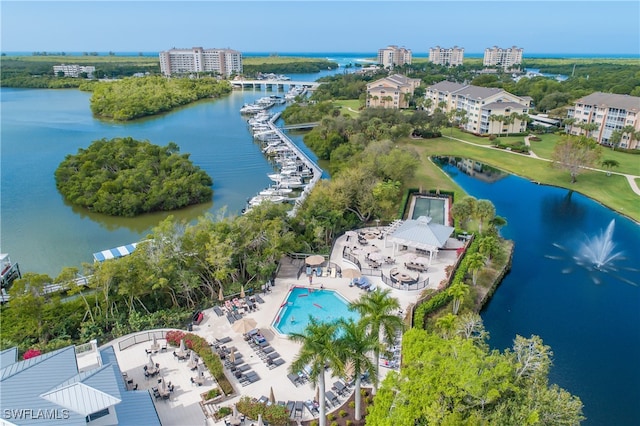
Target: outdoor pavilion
(420,234)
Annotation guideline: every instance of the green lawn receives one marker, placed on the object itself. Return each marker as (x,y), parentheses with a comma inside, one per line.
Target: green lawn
(349,107)
(612,191)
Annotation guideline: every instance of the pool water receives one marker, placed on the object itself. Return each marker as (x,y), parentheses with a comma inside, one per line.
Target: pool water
(430,207)
(302,303)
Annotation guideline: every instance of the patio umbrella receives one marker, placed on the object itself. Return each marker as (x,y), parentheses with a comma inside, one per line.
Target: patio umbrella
(192,357)
(260,423)
(377,256)
(242,292)
(201,370)
(155,341)
(161,385)
(232,355)
(183,347)
(272,397)
(151,363)
(235,411)
(244,325)
(221,295)
(314,260)
(351,273)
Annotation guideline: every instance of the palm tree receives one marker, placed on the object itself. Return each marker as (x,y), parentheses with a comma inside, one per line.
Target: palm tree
(476,263)
(458,291)
(609,164)
(588,127)
(500,119)
(376,311)
(354,346)
(318,350)
(568,123)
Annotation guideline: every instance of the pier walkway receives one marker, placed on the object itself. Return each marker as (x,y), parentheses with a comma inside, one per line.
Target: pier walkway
(279,84)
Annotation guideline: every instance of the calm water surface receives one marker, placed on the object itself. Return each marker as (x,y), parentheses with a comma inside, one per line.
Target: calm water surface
(41,127)
(593,328)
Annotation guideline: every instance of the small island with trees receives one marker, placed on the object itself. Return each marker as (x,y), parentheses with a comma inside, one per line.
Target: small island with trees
(126,177)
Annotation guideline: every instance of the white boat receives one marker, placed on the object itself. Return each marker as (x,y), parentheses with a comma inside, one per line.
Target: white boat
(275,190)
(251,109)
(259,199)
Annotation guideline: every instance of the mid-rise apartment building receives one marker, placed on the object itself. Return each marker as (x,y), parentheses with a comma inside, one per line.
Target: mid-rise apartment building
(482,105)
(506,58)
(451,57)
(181,61)
(394,56)
(391,92)
(74,70)
(610,112)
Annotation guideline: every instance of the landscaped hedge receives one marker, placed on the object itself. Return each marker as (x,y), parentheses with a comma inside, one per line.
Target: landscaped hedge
(210,359)
(273,414)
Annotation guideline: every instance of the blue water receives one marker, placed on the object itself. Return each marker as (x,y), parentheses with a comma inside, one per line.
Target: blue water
(593,329)
(40,127)
(301,304)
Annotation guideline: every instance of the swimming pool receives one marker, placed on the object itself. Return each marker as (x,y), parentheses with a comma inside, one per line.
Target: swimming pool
(302,302)
(435,208)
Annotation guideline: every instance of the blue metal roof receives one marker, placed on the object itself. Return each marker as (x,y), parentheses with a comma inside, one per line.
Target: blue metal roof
(114,252)
(137,407)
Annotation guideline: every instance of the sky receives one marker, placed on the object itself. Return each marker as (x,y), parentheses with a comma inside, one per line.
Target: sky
(582,27)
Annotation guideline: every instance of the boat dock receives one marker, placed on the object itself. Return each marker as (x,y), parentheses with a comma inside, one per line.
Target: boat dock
(296,171)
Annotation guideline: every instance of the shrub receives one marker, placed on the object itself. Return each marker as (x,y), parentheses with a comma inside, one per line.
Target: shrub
(31,353)
(224,411)
(349,423)
(352,404)
(334,424)
(492,137)
(313,423)
(343,413)
(331,416)
(212,393)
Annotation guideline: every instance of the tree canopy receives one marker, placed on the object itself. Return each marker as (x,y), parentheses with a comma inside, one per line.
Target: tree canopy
(136,97)
(126,177)
(455,379)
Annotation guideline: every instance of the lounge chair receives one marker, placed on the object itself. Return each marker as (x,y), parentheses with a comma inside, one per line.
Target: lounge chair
(276,363)
(313,410)
(218,311)
(298,409)
(225,339)
(259,299)
(318,271)
(290,407)
(231,319)
(294,378)
(332,398)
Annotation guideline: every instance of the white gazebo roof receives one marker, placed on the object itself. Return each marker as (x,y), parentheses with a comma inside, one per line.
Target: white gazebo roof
(81,398)
(421,233)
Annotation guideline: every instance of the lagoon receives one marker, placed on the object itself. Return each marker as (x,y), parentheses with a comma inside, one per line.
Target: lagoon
(589,317)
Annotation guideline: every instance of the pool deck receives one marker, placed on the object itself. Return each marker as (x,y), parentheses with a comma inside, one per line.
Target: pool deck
(183,407)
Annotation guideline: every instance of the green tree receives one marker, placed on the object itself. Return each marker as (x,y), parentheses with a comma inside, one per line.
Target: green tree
(574,154)
(485,211)
(378,314)
(458,291)
(318,350)
(608,164)
(476,263)
(464,210)
(356,344)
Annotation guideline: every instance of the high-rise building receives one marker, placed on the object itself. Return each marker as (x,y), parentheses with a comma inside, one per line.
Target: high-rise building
(451,57)
(197,59)
(394,56)
(506,58)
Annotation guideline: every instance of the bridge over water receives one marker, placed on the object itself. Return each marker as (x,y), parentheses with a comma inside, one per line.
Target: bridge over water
(271,84)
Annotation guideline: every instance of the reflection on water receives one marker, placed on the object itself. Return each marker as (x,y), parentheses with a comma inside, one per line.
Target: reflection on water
(473,168)
(141,223)
(550,290)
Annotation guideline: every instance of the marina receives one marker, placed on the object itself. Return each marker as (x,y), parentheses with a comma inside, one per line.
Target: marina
(296,173)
